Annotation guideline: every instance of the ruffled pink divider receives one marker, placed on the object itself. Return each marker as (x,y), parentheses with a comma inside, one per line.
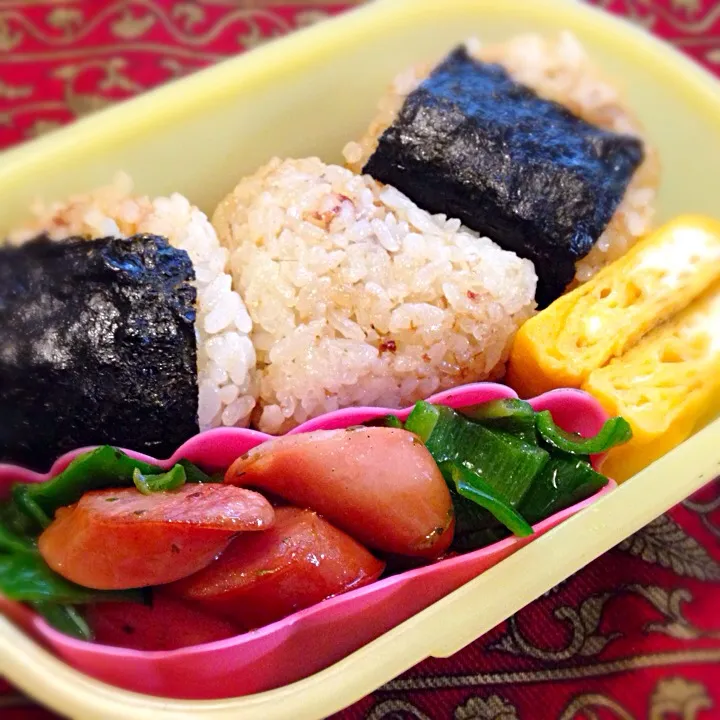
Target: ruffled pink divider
(315,638)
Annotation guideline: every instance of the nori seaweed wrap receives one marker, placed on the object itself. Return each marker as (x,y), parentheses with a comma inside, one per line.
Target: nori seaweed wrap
(98,346)
(472,143)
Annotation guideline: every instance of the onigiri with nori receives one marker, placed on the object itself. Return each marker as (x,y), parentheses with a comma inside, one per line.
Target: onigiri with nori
(225,355)
(358,297)
(98,347)
(476,140)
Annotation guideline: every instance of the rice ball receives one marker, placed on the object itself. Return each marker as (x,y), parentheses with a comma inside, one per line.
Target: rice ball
(226,357)
(558,69)
(358,297)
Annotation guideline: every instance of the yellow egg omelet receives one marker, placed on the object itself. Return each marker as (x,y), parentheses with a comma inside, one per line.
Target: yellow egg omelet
(585,329)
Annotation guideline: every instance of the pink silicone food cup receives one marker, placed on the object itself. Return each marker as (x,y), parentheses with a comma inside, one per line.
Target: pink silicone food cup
(312,639)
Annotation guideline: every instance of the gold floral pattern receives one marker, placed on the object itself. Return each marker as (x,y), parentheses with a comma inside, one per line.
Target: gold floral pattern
(691,7)
(40,127)
(14,92)
(491,708)
(672,698)
(67,20)
(588,703)
(188,15)
(665,543)
(131,26)
(157,39)
(196,33)
(678,697)
(693,25)
(669,603)
(585,639)
(395,710)
(8,38)
(706,509)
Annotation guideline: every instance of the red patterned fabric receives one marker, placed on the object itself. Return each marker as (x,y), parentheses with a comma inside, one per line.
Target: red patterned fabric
(636,634)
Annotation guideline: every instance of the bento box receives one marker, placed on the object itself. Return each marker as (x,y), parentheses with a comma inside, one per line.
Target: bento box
(306,96)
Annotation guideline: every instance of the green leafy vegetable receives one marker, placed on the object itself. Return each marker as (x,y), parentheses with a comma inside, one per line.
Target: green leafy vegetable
(507,466)
(95,470)
(505,463)
(15,520)
(22,497)
(614,432)
(475,527)
(193,474)
(564,481)
(26,577)
(64,618)
(513,416)
(471,486)
(101,468)
(148,484)
(12,543)
(388,421)
(423,419)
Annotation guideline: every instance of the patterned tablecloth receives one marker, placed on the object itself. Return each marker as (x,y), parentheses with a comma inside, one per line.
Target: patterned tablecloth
(636,634)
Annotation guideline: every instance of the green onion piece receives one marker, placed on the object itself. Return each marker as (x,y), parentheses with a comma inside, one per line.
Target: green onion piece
(16,521)
(472,487)
(101,468)
(22,497)
(148,484)
(27,578)
(615,431)
(475,540)
(516,417)
(475,527)
(564,481)
(508,465)
(10,542)
(64,618)
(388,421)
(193,474)
(422,420)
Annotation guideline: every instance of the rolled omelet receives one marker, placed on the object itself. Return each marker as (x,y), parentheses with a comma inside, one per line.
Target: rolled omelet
(666,386)
(600,320)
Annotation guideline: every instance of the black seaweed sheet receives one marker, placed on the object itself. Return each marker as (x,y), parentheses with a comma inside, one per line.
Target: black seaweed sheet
(98,346)
(473,144)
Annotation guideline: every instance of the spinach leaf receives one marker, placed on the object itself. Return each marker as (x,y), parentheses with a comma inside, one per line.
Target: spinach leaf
(193,474)
(26,577)
(101,468)
(64,618)
(148,484)
(615,431)
(472,487)
(10,542)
